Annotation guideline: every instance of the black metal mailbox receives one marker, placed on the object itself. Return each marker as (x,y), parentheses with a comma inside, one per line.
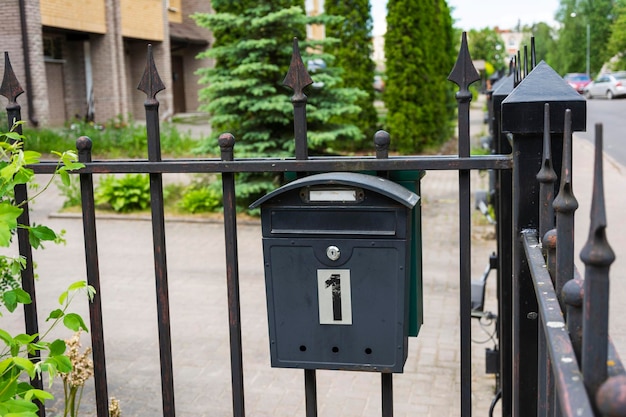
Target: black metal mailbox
(336,251)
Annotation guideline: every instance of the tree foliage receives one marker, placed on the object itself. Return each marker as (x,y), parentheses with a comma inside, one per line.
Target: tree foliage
(488,45)
(353,53)
(575,16)
(617,41)
(244,93)
(419,53)
(545,41)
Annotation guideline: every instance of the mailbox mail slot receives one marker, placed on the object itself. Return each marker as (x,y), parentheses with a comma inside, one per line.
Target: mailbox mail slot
(336,252)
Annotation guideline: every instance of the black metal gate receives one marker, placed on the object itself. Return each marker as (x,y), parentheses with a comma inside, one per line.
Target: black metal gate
(556,357)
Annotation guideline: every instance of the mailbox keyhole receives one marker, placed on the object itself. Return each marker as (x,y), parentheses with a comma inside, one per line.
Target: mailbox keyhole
(302,348)
(335,349)
(368,351)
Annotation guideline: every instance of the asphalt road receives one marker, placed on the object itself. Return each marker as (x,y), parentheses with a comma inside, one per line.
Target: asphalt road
(612,115)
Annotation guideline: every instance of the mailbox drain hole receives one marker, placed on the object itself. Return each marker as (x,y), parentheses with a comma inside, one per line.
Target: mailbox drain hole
(302,348)
(368,351)
(335,349)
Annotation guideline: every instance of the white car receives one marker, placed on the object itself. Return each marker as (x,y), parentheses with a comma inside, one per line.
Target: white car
(607,85)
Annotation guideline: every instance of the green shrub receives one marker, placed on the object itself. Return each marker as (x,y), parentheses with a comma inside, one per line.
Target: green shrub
(114,139)
(202,199)
(71,192)
(130,192)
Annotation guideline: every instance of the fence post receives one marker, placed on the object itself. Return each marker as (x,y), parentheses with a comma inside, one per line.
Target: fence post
(522,116)
(503,209)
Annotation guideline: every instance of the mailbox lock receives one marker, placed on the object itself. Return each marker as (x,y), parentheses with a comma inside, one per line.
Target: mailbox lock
(333,253)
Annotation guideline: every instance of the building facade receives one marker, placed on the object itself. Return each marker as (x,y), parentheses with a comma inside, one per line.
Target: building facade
(84,59)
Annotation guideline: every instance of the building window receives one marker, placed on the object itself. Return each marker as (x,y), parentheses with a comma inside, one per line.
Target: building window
(52,47)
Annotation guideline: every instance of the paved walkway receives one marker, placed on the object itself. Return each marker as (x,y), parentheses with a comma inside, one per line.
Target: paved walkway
(430,383)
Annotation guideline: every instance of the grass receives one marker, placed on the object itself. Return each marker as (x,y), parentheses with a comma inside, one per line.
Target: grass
(112,140)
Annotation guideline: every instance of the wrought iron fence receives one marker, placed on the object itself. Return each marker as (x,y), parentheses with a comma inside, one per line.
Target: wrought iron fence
(554,347)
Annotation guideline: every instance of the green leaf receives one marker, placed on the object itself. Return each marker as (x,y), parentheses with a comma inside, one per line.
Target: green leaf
(12,298)
(22,387)
(57,347)
(77,285)
(8,221)
(31,157)
(13,135)
(20,408)
(61,363)
(25,339)
(38,233)
(4,365)
(63,297)
(8,389)
(6,337)
(25,364)
(74,322)
(65,177)
(9,298)
(55,314)
(38,394)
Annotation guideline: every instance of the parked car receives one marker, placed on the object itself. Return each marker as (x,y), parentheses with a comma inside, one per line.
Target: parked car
(578,81)
(607,85)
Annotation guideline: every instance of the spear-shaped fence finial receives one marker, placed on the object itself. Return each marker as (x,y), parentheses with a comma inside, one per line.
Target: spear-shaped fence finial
(565,204)
(597,256)
(546,177)
(10,87)
(464,73)
(298,79)
(151,82)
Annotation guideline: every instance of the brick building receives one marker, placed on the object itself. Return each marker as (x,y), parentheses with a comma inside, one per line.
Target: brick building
(85,58)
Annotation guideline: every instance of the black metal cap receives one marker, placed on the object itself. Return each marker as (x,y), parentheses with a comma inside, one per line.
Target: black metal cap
(369,182)
(522,110)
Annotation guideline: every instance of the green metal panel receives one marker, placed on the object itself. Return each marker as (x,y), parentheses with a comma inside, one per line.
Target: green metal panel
(411,181)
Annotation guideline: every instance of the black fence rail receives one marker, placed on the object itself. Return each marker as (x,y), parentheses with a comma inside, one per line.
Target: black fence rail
(544,335)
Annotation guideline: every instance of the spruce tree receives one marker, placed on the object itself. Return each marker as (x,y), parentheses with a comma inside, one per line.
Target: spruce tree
(244,93)
(419,56)
(353,53)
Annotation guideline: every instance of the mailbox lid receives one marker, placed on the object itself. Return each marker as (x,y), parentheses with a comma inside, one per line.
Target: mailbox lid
(378,185)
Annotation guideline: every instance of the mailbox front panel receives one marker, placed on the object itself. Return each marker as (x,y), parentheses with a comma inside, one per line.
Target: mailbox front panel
(337,303)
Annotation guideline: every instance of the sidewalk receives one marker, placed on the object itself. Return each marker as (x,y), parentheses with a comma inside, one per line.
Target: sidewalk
(429,385)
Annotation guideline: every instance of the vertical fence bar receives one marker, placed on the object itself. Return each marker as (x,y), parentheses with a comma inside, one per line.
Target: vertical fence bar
(565,205)
(546,177)
(151,84)
(227,142)
(597,256)
(11,89)
(297,79)
(381,143)
(463,74)
(83,145)
(387,394)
